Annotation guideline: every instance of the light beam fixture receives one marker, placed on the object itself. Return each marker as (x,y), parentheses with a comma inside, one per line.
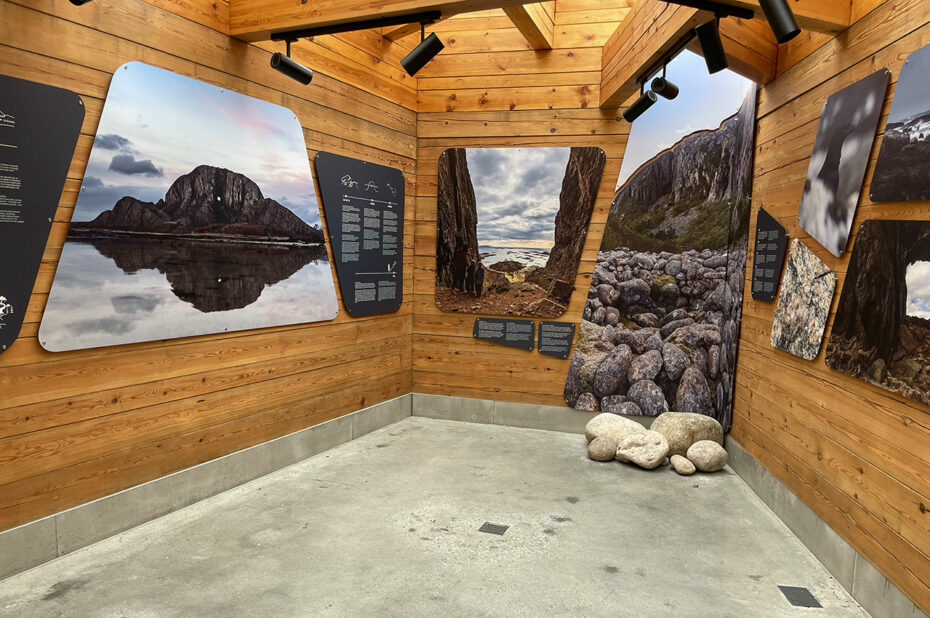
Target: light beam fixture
(781,19)
(708,35)
(424,52)
(79,2)
(286,66)
(664,88)
(639,107)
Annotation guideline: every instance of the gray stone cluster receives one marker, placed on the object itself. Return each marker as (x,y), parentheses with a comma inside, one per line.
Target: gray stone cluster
(659,332)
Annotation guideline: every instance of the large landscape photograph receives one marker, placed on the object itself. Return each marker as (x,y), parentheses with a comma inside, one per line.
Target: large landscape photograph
(511,226)
(661,324)
(902,171)
(197,215)
(881,333)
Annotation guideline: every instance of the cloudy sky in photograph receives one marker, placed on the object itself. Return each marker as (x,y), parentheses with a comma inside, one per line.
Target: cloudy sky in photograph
(704,103)
(517,194)
(912,93)
(918,289)
(157,126)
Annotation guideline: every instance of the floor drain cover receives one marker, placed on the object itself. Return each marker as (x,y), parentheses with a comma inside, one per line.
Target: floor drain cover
(493,528)
(799,597)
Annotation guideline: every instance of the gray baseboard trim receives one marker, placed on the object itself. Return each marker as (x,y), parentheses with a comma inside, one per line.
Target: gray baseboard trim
(876,593)
(508,413)
(37,542)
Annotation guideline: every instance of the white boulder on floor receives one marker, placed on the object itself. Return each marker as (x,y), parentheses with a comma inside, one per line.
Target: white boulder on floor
(682,429)
(707,456)
(647,449)
(682,465)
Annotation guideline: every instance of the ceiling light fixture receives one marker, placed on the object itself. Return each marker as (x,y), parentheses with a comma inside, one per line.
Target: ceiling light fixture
(664,88)
(781,19)
(424,52)
(286,66)
(715,57)
(639,107)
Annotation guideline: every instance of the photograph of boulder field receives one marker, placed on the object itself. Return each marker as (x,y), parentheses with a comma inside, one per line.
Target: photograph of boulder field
(197,215)
(881,333)
(511,226)
(902,171)
(661,324)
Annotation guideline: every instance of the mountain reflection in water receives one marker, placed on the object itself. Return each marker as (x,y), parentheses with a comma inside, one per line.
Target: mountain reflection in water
(211,276)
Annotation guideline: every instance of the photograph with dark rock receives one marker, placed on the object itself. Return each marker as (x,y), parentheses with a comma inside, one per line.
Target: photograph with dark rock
(841,154)
(803,304)
(511,226)
(661,324)
(197,215)
(902,171)
(881,333)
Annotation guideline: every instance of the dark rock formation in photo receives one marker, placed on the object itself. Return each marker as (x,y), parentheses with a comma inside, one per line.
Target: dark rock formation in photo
(208,200)
(456,213)
(576,203)
(210,276)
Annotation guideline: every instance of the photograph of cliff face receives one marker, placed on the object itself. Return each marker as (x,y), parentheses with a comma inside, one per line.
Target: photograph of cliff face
(511,226)
(197,215)
(902,171)
(838,163)
(881,333)
(661,324)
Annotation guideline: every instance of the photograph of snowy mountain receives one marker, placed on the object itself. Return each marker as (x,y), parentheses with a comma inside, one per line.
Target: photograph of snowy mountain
(902,172)
(841,154)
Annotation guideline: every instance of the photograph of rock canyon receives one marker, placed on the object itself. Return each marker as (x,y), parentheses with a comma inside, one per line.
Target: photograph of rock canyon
(511,226)
(661,324)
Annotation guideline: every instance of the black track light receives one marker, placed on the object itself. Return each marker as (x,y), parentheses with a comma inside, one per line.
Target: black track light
(286,66)
(708,35)
(79,2)
(639,107)
(664,88)
(421,54)
(781,19)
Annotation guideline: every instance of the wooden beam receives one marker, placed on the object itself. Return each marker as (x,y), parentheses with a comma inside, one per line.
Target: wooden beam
(534,22)
(399,32)
(256,20)
(829,16)
(648,33)
(750,47)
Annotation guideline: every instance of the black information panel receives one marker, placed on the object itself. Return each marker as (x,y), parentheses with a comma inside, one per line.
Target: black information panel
(555,338)
(39,128)
(515,333)
(769,256)
(364,205)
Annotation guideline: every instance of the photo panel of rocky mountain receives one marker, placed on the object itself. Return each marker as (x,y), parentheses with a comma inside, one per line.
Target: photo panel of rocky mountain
(661,324)
(881,333)
(841,154)
(197,215)
(511,226)
(902,171)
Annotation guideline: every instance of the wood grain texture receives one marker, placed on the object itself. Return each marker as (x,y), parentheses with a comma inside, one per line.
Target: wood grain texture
(79,425)
(856,454)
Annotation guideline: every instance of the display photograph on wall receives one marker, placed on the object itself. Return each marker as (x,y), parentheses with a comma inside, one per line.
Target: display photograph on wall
(661,324)
(511,226)
(881,333)
(841,154)
(902,171)
(197,215)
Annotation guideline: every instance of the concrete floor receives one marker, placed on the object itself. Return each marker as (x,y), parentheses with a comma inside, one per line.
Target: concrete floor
(388,525)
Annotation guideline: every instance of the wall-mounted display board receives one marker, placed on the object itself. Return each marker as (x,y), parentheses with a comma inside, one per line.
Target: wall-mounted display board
(513,333)
(902,171)
(39,128)
(662,318)
(881,333)
(197,215)
(768,256)
(364,206)
(841,154)
(804,303)
(511,226)
(555,338)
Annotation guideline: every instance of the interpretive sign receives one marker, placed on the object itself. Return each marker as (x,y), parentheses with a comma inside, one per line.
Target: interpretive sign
(515,333)
(555,338)
(364,206)
(768,257)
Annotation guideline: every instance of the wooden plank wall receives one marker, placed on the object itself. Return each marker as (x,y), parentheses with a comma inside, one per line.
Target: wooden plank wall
(79,425)
(856,454)
(488,89)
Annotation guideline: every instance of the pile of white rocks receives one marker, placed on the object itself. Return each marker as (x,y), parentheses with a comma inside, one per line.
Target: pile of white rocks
(687,441)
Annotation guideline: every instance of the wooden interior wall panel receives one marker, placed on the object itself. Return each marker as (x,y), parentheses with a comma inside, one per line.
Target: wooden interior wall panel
(856,454)
(79,425)
(471,96)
